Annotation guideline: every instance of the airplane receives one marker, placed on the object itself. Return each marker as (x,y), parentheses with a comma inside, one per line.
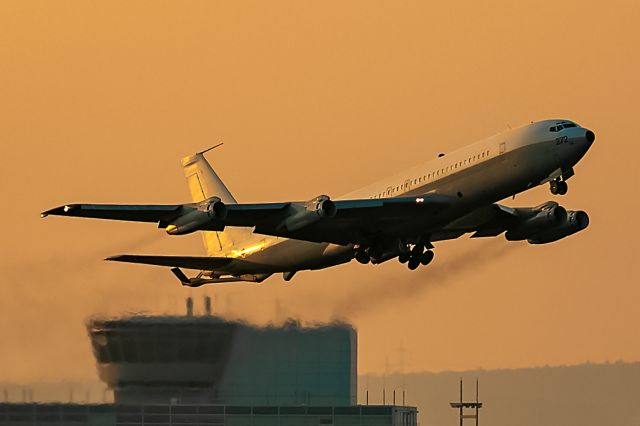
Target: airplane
(397,217)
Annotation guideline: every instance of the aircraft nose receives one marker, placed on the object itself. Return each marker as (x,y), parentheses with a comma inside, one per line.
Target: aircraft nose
(590,136)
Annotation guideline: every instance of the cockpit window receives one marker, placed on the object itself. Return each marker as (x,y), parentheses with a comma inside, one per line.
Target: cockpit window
(561,126)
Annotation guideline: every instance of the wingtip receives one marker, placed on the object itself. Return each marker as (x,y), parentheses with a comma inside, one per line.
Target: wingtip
(51,211)
(60,210)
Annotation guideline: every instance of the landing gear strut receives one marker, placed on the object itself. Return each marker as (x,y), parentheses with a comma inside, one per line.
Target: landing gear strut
(363,257)
(558,187)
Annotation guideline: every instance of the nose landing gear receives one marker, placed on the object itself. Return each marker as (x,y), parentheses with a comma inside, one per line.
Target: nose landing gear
(558,187)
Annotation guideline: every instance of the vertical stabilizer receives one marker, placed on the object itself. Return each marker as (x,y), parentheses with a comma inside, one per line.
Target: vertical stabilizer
(204,183)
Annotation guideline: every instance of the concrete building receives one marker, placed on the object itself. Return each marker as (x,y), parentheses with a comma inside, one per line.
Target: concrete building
(218,415)
(204,370)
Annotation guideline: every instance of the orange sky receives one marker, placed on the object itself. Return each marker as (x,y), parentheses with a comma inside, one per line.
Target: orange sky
(99,102)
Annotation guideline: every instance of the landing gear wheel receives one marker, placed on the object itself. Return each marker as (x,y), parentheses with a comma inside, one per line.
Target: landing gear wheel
(426,257)
(562,188)
(413,263)
(374,252)
(558,187)
(363,257)
(404,257)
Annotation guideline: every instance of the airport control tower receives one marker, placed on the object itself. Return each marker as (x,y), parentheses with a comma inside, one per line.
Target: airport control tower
(206,359)
(205,370)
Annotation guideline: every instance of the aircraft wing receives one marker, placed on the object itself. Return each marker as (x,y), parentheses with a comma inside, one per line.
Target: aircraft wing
(353,221)
(136,213)
(317,220)
(485,221)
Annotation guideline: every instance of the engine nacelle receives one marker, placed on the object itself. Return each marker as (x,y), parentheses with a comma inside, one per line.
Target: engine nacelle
(545,219)
(576,221)
(207,211)
(304,214)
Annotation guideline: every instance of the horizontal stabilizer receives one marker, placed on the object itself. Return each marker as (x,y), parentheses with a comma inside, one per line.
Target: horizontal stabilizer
(189,262)
(223,265)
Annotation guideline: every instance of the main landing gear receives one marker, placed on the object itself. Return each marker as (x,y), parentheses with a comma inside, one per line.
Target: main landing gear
(365,254)
(419,254)
(558,187)
(416,256)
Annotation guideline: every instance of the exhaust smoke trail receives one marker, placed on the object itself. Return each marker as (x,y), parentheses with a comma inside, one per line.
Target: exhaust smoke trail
(390,289)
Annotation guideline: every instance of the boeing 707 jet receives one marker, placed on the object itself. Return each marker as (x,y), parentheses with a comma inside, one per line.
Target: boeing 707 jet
(400,217)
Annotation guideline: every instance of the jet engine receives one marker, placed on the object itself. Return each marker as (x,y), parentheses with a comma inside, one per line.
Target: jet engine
(546,218)
(576,221)
(198,219)
(304,214)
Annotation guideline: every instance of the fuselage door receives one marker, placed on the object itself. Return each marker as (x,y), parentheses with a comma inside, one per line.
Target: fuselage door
(503,147)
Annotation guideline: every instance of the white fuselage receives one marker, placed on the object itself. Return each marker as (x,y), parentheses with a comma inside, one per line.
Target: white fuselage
(478,174)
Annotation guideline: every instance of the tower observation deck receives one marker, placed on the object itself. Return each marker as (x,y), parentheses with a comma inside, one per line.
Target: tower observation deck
(206,359)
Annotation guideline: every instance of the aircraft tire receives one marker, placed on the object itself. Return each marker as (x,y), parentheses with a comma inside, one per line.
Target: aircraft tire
(426,257)
(362,257)
(554,187)
(562,188)
(404,257)
(413,264)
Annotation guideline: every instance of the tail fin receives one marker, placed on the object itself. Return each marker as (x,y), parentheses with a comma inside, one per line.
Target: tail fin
(204,183)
